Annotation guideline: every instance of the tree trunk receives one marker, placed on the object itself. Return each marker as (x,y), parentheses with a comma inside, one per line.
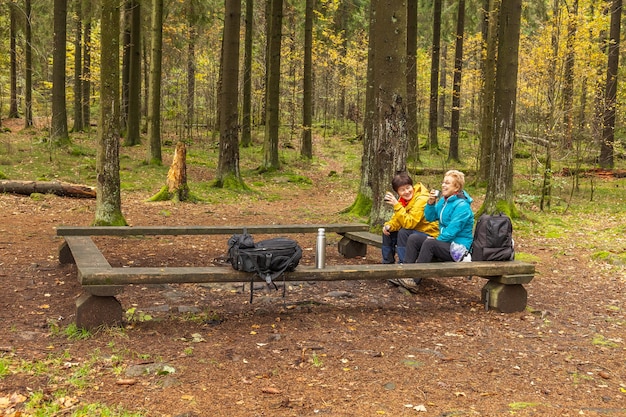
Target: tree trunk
(59,133)
(125,65)
(608,129)
(490,40)
(307,85)
(499,195)
(453,154)
(433,142)
(272,95)
(550,119)
(411,80)
(86,79)
(133,121)
(568,74)
(78,66)
(28,54)
(13,110)
(108,200)
(62,189)
(154,101)
(389,134)
(228,165)
(443,78)
(363,203)
(192,37)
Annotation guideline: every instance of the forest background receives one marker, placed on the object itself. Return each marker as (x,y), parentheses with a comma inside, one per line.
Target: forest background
(173,88)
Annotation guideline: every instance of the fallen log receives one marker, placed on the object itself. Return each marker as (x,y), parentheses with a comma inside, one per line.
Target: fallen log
(62,189)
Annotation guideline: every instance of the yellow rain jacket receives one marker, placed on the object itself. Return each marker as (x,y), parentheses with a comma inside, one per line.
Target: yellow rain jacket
(411,215)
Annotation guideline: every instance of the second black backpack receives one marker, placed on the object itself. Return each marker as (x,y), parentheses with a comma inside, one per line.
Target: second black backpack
(493,238)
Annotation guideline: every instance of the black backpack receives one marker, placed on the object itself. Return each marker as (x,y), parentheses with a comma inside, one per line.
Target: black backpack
(493,238)
(267,258)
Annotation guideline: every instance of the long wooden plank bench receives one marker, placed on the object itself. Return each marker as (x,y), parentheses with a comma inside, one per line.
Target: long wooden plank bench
(504,290)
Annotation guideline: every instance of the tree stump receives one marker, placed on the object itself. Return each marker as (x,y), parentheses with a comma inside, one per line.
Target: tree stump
(176,187)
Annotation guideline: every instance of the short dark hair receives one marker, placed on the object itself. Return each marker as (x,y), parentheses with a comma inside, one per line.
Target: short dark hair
(400,179)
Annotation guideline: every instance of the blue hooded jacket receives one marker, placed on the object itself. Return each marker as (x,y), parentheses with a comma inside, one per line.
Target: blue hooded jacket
(456,219)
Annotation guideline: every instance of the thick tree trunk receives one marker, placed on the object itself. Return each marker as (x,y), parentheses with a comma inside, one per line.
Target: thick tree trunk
(272,95)
(46,187)
(109,200)
(307,85)
(228,165)
(389,134)
(610,96)
(499,195)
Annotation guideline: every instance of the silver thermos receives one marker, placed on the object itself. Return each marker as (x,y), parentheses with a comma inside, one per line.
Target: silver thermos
(320,249)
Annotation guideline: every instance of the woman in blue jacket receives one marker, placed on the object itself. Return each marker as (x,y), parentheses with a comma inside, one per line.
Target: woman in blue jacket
(456,227)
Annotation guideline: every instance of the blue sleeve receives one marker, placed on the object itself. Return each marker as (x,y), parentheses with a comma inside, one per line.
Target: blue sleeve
(430,212)
(460,217)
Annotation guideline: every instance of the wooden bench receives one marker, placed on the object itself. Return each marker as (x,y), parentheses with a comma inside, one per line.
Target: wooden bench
(354,244)
(504,290)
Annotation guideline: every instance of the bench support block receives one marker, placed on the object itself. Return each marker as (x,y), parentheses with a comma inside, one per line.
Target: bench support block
(351,248)
(93,311)
(504,298)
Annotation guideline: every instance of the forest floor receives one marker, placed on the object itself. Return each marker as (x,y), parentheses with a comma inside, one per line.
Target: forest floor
(336,349)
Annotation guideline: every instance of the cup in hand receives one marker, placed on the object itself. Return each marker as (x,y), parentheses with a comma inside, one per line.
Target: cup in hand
(388,196)
(436,193)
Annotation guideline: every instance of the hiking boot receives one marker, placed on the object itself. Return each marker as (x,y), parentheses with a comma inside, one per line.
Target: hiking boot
(412,285)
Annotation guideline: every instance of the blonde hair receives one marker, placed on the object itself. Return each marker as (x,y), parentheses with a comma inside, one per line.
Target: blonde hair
(458,177)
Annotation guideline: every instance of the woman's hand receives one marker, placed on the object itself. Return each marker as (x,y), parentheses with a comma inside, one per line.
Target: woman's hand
(386,231)
(390,199)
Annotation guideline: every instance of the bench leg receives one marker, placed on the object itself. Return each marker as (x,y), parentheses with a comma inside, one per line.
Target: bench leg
(65,254)
(93,311)
(351,249)
(504,298)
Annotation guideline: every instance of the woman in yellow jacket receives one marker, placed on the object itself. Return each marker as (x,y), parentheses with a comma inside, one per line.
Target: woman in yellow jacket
(408,217)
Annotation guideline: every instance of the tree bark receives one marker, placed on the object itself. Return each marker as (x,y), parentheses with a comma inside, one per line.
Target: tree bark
(86,79)
(228,165)
(499,196)
(490,40)
(411,80)
(610,95)
(568,74)
(108,200)
(272,94)
(133,121)
(78,66)
(28,55)
(307,85)
(62,189)
(433,142)
(453,153)
(13,110)
(154,101)
(59,132)
(389,133)
(192,37)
